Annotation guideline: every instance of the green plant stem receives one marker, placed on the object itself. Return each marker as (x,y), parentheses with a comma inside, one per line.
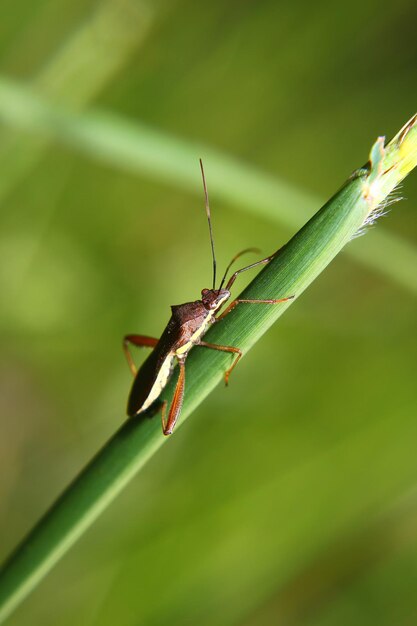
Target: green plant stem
(290,272)
(138,148)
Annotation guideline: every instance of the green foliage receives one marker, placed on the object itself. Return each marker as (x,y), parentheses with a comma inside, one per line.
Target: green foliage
(138,148)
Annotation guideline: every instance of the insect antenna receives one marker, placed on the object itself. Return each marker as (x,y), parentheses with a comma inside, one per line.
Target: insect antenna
(209,223)
(237,256)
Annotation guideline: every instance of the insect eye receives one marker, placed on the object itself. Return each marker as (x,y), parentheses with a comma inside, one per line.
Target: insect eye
(204,292)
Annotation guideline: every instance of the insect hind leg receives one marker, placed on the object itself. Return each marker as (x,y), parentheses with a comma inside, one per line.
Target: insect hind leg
(168,425)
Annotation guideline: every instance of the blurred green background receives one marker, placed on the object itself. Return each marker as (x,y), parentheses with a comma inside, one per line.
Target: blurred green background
(290,498)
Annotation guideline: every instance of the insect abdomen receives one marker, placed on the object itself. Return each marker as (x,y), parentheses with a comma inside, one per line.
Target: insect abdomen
(150,380)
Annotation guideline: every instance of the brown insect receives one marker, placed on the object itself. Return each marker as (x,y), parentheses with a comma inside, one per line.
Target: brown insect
(188,324)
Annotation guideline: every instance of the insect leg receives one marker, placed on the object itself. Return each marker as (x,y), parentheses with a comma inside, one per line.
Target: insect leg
(215,346)
(142,341)
(248,267)
(176,405)
(163,412)
(233,304)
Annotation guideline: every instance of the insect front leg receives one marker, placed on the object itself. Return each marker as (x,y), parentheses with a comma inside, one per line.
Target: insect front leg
(232,349)
(142,341)
(234,304)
